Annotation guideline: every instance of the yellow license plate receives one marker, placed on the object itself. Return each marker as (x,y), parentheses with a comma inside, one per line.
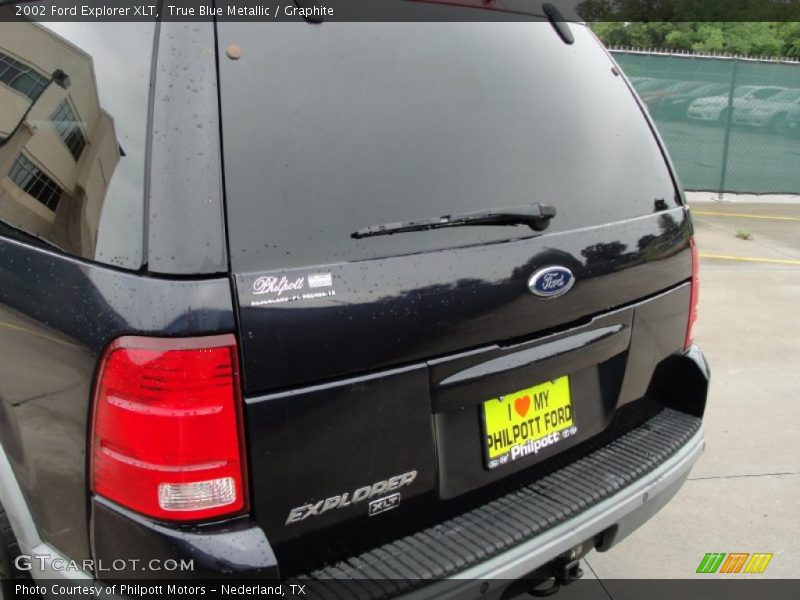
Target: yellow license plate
(525,422)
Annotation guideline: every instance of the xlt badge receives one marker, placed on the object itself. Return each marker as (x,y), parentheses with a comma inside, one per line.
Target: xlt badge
(367,492)
(381,505)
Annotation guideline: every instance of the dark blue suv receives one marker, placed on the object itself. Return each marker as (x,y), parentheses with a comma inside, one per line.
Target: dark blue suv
(366,301)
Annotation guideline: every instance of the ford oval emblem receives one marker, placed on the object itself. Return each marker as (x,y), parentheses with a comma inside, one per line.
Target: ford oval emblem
(551,282)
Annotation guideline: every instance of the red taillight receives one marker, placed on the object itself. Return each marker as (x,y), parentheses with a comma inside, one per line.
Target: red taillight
(167,429)
(693,294)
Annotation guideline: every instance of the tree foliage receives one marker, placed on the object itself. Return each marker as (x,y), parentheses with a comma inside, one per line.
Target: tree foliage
(750,27)
(748,38)
(685,11)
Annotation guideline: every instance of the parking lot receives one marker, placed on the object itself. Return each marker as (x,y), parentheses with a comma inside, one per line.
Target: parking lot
(744,494)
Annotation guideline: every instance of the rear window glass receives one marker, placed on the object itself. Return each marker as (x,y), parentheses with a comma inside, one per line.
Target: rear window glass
(331,128)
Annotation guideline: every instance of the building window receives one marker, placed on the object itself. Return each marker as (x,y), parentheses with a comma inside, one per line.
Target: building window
(69,129)
(32,180)
(21,77)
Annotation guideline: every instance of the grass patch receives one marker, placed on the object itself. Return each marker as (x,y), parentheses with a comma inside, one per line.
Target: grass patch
(743,233)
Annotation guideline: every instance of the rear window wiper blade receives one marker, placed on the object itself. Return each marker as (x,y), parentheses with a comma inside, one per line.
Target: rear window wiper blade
(536,216)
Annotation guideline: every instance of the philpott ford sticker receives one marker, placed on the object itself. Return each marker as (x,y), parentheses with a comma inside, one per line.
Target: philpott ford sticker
(279,289)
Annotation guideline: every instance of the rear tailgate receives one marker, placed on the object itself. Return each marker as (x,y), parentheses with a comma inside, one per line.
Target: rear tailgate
(367,363)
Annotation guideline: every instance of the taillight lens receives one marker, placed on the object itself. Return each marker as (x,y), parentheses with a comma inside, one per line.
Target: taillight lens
(693,295)
(167,429)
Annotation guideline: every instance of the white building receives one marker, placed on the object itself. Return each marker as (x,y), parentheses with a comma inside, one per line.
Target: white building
(55,163)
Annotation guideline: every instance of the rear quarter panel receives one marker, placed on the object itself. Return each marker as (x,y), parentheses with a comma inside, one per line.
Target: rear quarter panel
(56,317)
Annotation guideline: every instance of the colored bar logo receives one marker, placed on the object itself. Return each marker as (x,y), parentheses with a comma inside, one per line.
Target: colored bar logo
(734,562)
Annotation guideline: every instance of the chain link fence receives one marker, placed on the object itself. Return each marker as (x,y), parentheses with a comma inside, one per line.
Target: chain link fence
(732,124)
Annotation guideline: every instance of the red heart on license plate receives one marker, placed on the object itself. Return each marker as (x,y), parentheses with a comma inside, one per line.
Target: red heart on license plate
(522,404)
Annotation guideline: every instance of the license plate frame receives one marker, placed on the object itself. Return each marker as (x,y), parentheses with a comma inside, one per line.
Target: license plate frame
(523,423)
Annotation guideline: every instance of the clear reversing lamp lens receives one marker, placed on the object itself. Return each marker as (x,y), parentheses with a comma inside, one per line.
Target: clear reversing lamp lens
(198,495)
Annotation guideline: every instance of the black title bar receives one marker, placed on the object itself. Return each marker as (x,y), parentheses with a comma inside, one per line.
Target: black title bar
(320,11)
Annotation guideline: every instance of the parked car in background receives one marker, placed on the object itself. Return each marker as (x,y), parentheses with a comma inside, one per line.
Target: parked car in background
(644,84)
(675,105)
(654,98)
(637,81)
(775,112)
(794,121)
(715,108)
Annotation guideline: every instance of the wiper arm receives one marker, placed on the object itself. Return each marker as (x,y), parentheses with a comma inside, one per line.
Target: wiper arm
(535,216)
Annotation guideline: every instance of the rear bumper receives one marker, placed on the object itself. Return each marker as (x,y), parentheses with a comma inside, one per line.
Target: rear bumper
(594,501)
(614,518)
(611,520)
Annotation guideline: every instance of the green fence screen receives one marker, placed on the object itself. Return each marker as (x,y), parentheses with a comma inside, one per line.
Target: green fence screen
(731,124)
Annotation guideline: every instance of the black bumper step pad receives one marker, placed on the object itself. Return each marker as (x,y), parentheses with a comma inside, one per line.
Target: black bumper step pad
(479,534)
